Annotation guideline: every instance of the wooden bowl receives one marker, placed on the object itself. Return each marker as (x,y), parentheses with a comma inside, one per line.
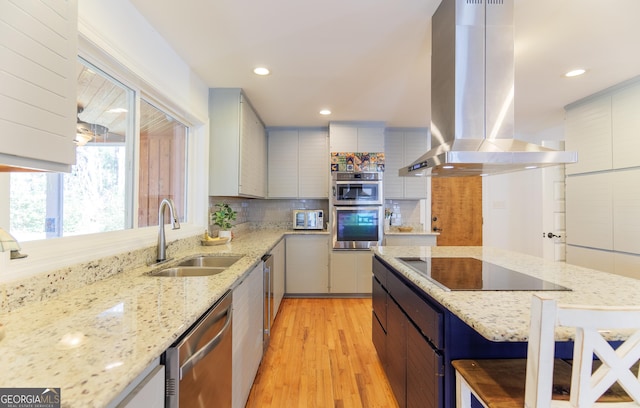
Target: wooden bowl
(405,229)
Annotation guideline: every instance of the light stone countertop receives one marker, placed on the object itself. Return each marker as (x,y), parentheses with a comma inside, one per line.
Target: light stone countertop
(413,232)
(95,340)
(504,315)
(124,322)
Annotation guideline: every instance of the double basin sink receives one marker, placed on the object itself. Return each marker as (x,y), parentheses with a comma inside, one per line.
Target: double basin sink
(205,265)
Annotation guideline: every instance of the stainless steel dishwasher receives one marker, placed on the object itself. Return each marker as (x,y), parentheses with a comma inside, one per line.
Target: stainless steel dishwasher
(199,364)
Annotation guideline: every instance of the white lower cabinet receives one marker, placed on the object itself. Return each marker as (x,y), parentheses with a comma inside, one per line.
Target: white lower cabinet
(278,273)
(307,264)
(351,272)
(247,334)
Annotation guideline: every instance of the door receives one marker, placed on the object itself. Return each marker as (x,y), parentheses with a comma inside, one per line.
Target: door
(553,209)
(456,210)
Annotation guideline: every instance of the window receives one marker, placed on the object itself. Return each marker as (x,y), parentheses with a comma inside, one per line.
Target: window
(99,194)
(163,144)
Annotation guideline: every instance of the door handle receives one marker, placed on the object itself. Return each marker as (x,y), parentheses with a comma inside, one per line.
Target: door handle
(436,229)
(551,235)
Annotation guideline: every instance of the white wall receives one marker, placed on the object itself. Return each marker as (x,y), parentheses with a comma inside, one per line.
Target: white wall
(512,204)
(117,28)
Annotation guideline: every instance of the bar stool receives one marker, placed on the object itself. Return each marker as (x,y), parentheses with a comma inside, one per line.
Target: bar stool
(542,381)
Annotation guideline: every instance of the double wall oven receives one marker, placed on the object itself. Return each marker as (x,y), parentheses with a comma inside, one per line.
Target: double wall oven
(357,210)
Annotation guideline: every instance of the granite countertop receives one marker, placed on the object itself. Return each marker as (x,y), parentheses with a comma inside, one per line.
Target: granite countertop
(93,341)
(504,315)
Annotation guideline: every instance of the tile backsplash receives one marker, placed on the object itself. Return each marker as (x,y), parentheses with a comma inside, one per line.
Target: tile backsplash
(266,211)
(279,211)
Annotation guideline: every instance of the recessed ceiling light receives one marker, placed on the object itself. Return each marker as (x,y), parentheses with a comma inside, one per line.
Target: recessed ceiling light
(531,167)
(575,72)
(117,110)
(325,112)
(261,71)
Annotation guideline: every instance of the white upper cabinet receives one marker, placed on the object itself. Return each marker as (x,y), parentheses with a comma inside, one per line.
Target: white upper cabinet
(283,163)
(237,147)
(38,57)
(588,131)
(313,164)
(626,210)
(625,109)
(403,146)
(363,137)
(590,210)
(298,163)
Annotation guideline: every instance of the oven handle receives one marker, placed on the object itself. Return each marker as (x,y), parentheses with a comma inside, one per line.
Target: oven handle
(201,353)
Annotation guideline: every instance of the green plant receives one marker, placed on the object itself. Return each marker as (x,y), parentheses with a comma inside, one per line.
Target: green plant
(223,216)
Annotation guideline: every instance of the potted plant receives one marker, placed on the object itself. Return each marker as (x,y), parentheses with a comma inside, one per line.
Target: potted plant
(222,217)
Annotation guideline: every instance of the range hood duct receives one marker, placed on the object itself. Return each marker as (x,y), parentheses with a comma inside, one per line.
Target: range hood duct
(472,92)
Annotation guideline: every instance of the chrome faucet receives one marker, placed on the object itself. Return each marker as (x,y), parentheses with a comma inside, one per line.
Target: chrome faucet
(162,243)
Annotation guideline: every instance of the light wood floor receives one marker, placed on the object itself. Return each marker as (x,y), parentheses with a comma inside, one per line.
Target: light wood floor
(321,355)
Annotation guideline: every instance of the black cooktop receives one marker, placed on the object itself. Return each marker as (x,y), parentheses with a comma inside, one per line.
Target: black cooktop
(474,274)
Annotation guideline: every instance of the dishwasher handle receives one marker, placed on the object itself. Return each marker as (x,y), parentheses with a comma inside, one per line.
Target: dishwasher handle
(201,353)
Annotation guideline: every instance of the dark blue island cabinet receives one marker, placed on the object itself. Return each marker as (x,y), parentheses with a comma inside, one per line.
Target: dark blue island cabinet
(416,339)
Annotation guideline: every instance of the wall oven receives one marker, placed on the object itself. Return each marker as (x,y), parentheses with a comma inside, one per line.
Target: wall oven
(357,215)
(357,188)
(357,227)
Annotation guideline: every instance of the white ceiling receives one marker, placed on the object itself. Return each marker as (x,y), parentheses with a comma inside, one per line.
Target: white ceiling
(370,59)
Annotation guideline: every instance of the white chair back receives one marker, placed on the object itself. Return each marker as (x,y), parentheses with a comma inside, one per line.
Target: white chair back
(588,321)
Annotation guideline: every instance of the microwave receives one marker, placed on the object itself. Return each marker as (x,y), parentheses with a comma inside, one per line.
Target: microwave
(308,219)
(357,189)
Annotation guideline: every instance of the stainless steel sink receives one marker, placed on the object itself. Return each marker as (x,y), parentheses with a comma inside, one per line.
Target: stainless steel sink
(186,271)
(205,265)
(211,261)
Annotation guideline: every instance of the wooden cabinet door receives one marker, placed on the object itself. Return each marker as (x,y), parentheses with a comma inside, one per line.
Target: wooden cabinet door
(396,352)
(456,210)
(425,372)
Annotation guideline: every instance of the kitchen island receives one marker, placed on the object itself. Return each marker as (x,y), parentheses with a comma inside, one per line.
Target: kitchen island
(438,325)
(93,341)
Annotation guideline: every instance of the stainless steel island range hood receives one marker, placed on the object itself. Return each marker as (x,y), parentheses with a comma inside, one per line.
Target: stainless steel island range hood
(472,92)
